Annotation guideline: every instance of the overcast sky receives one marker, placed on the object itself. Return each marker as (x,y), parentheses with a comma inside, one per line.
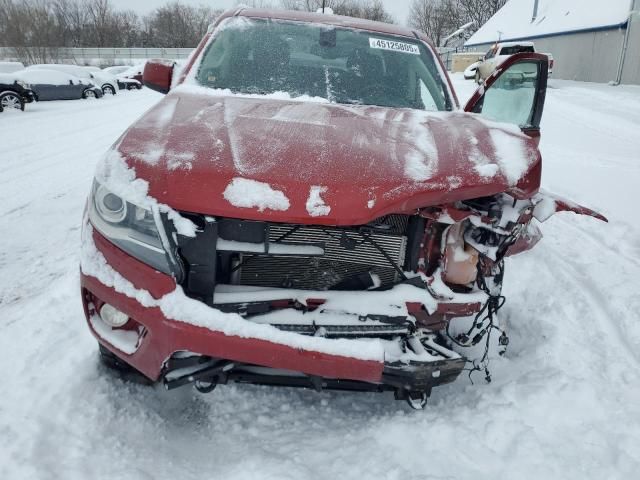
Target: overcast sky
(398,8)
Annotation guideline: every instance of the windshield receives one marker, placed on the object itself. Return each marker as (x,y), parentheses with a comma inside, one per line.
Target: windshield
(339,64)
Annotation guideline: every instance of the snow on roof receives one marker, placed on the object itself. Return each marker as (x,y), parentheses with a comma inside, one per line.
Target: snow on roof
(514,20)
(517,44)
(46,77)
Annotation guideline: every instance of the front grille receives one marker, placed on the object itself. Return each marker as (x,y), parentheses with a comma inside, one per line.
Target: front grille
(347,253)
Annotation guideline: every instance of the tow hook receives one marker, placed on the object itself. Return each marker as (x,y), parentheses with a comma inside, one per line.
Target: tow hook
(204,376)
(415,399)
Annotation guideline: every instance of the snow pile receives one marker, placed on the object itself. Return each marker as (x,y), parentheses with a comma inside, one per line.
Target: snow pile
(197,89)
(422,157)
(246,193)
(315,204)
(511,153)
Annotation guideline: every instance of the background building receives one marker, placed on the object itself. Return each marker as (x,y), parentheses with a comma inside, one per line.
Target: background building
(591,40)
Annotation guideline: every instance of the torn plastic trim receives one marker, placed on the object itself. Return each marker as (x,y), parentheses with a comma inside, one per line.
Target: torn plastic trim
(547,204)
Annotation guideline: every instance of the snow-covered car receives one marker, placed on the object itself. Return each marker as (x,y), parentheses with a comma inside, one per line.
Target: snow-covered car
(106,82)
(116,70)
(54,85)
(135,71)
(125,75)
(15,92)
(470,72)
(310,207)
(127,71)
(499,52)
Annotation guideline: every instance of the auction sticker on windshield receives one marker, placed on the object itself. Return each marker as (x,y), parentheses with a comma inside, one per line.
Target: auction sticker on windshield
(394,46)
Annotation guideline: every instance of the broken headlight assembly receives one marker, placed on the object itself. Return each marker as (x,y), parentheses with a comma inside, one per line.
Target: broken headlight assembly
(135,229)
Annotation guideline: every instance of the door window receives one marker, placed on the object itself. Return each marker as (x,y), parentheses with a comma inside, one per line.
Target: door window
(512,97)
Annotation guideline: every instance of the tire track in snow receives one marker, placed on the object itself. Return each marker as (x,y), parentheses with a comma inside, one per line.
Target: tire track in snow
(595,298)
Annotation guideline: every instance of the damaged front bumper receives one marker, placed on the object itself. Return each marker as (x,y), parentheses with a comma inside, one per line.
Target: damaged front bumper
(288,340)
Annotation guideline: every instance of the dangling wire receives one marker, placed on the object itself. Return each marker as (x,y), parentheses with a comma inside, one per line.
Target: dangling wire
(483,322)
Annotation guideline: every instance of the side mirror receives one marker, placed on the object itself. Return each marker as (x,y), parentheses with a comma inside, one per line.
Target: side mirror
(481,58)
(157,75)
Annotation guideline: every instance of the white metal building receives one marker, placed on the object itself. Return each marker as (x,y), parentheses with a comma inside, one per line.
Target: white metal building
(591,40)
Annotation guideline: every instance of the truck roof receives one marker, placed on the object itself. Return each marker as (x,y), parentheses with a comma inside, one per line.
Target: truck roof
(513,44)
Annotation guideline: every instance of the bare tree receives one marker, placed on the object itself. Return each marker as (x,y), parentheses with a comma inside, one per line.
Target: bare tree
(479,11)
(367,9)
(436,18)
(30,28)
(255,3)
(178,25)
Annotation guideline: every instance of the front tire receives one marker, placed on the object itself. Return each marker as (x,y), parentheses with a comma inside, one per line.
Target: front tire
(108,90)
(11,100)
(88,93)
(121,369)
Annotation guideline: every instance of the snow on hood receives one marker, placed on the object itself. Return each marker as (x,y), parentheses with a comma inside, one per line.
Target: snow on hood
(368,160)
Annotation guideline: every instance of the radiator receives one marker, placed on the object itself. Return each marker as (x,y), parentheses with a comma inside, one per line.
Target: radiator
(347,253)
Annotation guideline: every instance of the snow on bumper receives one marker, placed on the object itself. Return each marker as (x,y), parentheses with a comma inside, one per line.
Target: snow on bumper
(170,322)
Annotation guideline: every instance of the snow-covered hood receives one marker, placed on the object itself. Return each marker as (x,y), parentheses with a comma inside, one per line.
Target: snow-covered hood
(278,159)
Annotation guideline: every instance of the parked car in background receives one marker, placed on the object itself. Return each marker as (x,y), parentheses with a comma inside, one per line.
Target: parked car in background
(94,75)
(470,71)
(55,85)
(10,67)
(135,71)
(129,84)
(117,70)
(499,53)
(126,76)
(15,92)
(227,238)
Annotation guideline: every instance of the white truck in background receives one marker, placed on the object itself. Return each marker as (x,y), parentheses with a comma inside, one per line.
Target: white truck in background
(498,54)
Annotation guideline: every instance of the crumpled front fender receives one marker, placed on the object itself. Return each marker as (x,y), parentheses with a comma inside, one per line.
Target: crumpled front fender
(547,204)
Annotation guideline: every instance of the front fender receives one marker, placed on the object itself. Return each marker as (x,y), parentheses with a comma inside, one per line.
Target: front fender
(547,204)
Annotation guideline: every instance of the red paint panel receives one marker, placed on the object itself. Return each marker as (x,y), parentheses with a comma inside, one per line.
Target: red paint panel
(140,274)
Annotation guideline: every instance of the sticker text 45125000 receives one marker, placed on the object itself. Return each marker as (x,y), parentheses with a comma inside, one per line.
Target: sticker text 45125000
(394,46)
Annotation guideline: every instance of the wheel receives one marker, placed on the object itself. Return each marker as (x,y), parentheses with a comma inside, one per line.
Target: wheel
(108,90)
(89,93)
(11,100)
(121,369)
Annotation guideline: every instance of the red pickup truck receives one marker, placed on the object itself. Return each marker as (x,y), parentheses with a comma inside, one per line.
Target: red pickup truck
(309,206)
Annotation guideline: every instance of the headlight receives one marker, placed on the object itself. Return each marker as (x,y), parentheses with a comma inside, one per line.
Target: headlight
(22,84)
(136,230)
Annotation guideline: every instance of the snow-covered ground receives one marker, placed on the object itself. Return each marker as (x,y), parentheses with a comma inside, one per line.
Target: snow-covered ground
(563,404)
